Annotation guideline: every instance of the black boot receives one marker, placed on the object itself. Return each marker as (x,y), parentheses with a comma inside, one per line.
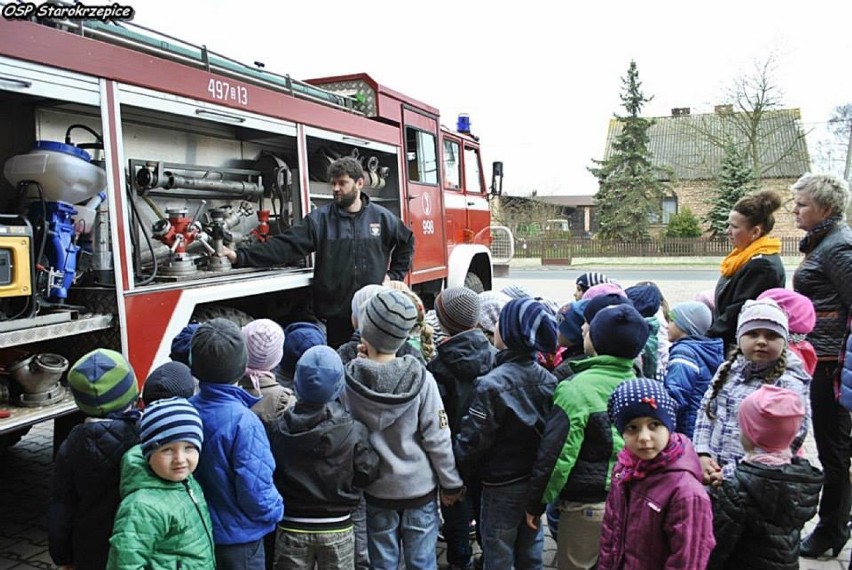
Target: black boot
(814,546)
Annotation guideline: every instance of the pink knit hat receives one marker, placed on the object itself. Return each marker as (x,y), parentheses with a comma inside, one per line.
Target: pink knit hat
(771,417)
(604,289)
(264,343)
(799,309)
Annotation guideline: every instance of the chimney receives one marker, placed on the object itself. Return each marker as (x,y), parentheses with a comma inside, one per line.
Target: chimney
(680,111)
(724,109)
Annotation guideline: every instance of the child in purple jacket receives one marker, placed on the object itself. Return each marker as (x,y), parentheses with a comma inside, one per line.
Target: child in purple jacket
(658,514)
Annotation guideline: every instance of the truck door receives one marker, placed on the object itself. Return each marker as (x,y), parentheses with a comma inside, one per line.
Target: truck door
(476,198)
(455,208)
(425,204)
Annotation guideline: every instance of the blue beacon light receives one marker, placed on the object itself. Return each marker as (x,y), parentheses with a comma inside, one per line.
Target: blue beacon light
(463,124)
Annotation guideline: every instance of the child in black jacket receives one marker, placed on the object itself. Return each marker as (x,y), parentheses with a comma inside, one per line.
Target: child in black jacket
(758,514)
(322,459)
(461,358)
(87,470)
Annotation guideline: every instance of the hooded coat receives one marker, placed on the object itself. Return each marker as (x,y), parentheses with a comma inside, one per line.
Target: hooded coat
(693,361)
(160,524)
(321,456)
(399,403)
(460,360)
(663,521)
(759,513)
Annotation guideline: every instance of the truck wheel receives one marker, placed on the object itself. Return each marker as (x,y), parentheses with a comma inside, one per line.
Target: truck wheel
(204,314)
(473,282)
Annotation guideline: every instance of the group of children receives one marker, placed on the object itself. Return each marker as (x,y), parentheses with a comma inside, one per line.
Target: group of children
(648,447)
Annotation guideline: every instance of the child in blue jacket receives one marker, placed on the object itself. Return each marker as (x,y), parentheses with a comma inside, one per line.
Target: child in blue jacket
(693,360)
(236,465)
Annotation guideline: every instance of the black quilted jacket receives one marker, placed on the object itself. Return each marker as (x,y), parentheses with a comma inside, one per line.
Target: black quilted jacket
(758,515)
(825,277)
(85,494)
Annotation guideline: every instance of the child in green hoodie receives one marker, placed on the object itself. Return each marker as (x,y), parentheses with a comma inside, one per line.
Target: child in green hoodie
(163,521)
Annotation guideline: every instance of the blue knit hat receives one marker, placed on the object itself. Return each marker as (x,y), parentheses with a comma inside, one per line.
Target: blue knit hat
(641,398)
(299,337)
(528,326)
(619,330)
(182,343)
(593,306)
(516,291)
(646,298)
(102,382)
(167,421)
(319,376)
(571,324)
(169,380)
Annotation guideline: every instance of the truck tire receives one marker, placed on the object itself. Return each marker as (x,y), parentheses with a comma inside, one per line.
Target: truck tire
(473,282)
(204,314)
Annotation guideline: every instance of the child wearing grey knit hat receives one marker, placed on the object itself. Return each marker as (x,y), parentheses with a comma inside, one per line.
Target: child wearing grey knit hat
(399,402)
(693,359)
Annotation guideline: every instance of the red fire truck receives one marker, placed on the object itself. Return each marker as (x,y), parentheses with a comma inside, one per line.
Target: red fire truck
(130,158)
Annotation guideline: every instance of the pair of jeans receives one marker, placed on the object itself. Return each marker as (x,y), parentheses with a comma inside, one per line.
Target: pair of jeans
(457,519)
(247,556)
(359,519)
(507,541)
(832,427)
(309,550)
(414,531)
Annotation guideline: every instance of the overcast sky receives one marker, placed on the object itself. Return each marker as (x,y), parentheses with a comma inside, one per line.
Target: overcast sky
(540,80)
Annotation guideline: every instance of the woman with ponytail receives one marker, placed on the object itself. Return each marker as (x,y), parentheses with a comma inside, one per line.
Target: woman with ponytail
(760,358)
(752,267)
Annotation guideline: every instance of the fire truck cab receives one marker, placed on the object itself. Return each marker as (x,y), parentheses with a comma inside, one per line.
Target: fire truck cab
(130,159)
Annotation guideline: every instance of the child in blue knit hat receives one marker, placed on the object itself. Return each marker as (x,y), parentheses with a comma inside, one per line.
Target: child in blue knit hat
(499,434)
(576,455)
(157,489)
(323,458)
(87,470)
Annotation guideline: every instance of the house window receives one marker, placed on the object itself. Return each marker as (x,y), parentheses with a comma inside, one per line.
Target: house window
(669,208)
(421,155)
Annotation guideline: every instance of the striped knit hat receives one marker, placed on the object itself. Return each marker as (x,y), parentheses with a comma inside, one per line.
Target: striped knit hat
(490,305)
(386,319)
(527,326)
(167,421)
(102,382)
(591,279)
(264,344)
(457,309)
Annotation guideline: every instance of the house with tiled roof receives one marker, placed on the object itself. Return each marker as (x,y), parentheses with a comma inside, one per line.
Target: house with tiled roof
(689,150)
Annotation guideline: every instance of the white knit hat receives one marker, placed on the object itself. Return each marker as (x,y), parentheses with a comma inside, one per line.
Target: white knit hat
(264,343)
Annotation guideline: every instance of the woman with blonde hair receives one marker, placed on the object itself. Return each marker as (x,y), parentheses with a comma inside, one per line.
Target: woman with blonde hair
(824,276)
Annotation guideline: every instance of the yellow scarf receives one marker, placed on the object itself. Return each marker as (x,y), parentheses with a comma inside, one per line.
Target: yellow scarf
(765,245)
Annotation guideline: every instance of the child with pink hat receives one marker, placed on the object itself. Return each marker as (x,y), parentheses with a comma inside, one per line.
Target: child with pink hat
(770,489)
(802,318)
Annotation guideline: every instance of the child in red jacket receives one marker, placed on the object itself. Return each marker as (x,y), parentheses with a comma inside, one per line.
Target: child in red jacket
(658,514)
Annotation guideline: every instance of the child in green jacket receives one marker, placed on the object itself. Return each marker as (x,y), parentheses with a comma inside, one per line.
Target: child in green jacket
(163,522)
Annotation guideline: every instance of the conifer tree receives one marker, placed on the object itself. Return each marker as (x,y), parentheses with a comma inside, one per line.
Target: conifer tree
(630,192)
(736,179)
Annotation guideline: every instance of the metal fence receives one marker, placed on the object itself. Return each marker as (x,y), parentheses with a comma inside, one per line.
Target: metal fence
(563,250)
